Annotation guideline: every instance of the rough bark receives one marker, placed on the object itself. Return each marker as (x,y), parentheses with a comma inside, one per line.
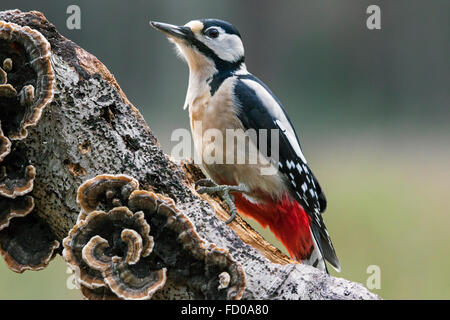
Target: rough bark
(91,128)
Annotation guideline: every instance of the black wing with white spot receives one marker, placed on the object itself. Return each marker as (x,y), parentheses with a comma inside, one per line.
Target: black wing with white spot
(260,109)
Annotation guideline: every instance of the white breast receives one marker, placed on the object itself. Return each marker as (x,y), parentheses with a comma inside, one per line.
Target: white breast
(212,115)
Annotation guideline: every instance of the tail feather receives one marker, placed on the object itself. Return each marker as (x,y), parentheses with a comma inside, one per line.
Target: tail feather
(323,242)
(315,258)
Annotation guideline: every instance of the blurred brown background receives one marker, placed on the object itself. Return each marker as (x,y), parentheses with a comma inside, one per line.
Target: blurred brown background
(371,108)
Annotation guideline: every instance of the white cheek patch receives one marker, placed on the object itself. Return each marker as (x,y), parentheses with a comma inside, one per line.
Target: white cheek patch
(227,47)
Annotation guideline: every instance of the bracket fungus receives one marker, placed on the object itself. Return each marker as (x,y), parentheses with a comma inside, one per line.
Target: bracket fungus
(7,64)
(104,192)
(142,240)
(102,293)
(26,54)
(7,91)
(109,249)
(17,175)
(26,242)
(26,95)
(10,208)
(5,145)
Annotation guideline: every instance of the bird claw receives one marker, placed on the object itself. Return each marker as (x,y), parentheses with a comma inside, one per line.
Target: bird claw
(224,191)
(205,182)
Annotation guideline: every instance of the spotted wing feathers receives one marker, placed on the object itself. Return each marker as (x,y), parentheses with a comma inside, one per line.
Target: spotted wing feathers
(259,109)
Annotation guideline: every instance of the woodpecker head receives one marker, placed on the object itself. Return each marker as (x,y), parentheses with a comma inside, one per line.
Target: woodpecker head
(206,44)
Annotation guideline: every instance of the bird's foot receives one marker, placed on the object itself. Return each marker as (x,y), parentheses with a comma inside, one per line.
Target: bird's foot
(208,186)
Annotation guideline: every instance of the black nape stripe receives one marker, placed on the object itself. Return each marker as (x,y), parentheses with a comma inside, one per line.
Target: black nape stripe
(221,75)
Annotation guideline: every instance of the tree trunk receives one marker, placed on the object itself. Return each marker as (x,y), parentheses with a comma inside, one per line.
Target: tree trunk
(89,129)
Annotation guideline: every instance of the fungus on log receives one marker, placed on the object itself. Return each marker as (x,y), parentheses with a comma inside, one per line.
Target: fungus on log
(101,293)
(18,175)
(10,208)
(5,145)
(188,257)
(145,237)
(30,52)
(105,192)
(7,65)
(106,249)
(7,91)
(89,128)
(26,243)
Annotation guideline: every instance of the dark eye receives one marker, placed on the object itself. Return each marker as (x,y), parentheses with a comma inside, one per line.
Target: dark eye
(212,33)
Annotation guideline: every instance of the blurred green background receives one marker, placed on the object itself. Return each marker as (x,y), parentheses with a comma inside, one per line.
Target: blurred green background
(371,108)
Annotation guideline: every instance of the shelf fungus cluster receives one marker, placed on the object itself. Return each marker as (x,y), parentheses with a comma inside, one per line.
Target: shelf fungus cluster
(127,242)
(26,88)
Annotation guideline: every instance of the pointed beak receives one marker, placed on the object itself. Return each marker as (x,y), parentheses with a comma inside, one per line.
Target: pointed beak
(179,32)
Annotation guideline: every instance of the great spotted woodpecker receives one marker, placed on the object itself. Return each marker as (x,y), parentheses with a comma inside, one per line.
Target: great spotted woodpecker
(223,95)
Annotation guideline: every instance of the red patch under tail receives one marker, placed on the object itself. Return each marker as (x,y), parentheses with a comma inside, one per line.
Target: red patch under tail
(286,219)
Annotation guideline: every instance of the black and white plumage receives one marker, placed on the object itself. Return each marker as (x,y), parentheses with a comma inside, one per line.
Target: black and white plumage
(259,108)
(223,94)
